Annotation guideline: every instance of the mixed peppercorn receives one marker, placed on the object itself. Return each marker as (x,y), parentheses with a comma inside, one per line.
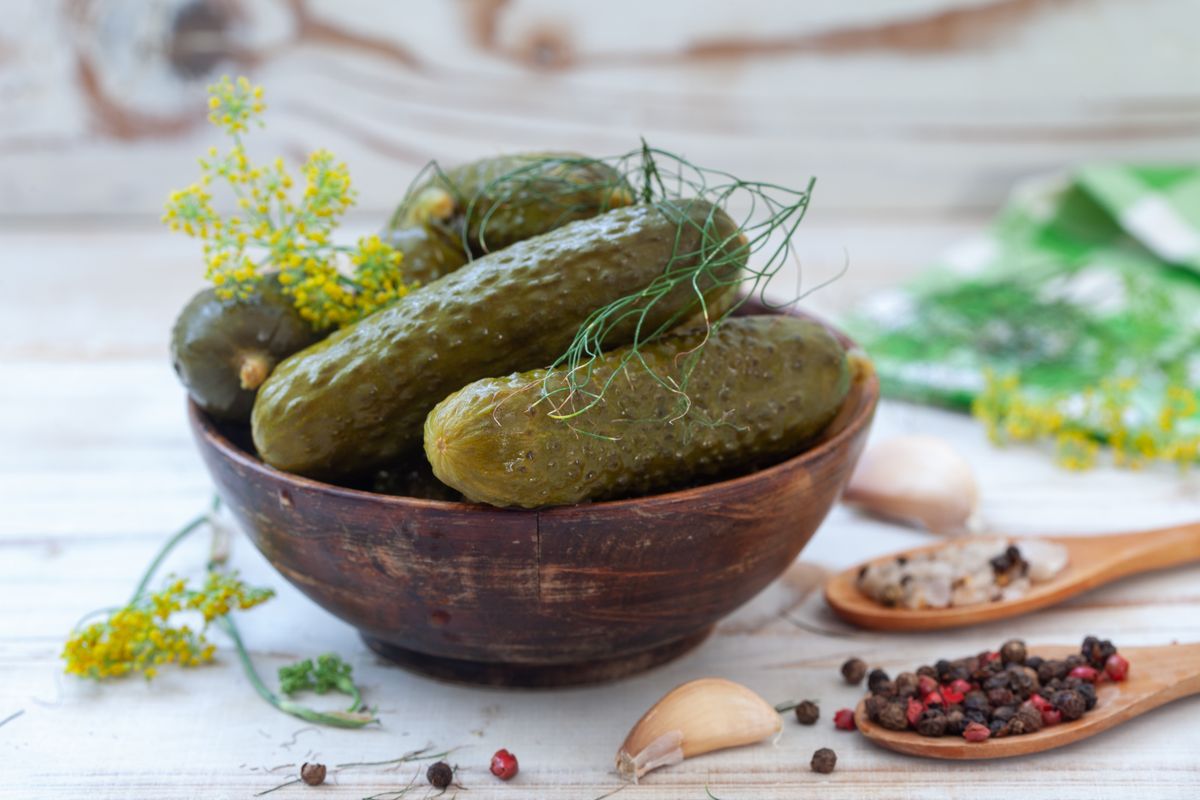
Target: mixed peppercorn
(996,693)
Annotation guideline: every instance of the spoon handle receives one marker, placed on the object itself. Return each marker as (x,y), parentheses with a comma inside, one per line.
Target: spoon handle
(1143,551)
(1174,667)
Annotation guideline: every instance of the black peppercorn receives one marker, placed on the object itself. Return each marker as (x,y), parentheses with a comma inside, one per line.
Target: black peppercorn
(893,718)
(1013,652)
(1022,680)
(875,678)
(1088,693)
(854,670)
(1033,662)
(1097,651)
(440,775)
(932,722)
(807,712)
(1001,697)
(1000,681)
(927,670)
(874,704)
(959,672)
(823,761)
(942,668)
(1049,670)
(975,715)
(998,728)
(1004,713)
(906,684)
(1070,703)
(975,699)
(956,721)
(1030,717)
(885,689)
(312,774)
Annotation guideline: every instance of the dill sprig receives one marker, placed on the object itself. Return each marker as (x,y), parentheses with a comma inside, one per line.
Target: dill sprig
(142,635)
(766,216)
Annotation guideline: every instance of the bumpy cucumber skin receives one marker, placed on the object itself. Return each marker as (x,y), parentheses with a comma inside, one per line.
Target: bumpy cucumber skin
(212,337)
(358,400)
(769,383)
(548,190)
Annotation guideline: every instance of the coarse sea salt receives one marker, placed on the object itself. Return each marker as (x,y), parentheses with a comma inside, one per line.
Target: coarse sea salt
(967,573)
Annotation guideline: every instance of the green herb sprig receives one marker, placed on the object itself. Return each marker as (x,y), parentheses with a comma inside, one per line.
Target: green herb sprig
(766,214)
(141,636)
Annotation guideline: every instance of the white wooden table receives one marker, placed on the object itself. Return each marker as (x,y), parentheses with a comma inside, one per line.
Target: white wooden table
(96,467)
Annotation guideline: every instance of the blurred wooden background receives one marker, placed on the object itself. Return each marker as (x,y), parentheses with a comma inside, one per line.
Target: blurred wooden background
(915,116)
(920,108)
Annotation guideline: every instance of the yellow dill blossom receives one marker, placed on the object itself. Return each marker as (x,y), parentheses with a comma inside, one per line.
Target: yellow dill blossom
(145,635)
(272,232)
(1110,413)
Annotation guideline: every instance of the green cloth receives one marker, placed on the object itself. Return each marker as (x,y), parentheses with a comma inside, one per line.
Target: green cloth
(1083,278)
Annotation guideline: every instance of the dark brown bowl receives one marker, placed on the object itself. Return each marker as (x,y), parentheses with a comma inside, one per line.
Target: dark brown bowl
(537,598)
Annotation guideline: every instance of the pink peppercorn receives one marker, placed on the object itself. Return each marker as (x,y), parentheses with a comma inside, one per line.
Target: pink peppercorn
(955,691)
(974,732)
(1085,673)
(914,711)
(844,720)
(1051,716)
(1117,667)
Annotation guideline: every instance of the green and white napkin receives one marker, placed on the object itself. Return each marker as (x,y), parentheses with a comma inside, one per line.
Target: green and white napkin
(1076,318)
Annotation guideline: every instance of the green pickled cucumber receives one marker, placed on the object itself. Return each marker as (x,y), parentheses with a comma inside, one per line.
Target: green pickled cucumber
(357,400)
(760,389)
(223,350)
(487,205)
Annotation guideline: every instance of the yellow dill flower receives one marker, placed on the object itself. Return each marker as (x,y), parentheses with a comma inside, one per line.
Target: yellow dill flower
(1106,414)
(272,233)
(141,637)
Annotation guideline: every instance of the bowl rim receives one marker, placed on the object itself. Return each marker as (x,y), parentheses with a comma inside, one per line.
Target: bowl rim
(868,393)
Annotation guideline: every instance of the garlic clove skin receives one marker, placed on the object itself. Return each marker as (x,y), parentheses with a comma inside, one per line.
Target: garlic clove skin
(916,479)
(698,717)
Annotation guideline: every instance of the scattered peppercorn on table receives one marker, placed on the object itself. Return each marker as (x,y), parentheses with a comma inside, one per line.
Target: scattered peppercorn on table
(100,467)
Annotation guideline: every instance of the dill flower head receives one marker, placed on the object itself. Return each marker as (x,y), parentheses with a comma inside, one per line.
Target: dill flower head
(1139,425)
(274,231)
(145,635)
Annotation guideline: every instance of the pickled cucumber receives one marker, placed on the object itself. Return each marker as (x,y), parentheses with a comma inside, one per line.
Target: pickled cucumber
(358,400)
(487,205)
(760,388)
(223,350)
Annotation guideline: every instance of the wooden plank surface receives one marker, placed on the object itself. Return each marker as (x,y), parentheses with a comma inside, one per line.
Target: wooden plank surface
(915,115)
(910,107)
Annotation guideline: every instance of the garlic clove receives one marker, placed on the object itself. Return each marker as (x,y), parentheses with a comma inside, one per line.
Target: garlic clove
(916,479)
(698,717)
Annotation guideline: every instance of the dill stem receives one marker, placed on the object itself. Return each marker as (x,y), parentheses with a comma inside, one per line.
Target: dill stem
(286,706)
(170,545)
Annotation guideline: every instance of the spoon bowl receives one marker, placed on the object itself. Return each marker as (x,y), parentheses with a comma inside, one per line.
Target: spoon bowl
(1157,675)
(1091,561)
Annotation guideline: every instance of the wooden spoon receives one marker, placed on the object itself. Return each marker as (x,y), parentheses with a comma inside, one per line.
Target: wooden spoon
(1092,561)
(1157,675)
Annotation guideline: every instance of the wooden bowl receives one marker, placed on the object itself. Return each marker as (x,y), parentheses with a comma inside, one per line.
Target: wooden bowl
(536,598)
